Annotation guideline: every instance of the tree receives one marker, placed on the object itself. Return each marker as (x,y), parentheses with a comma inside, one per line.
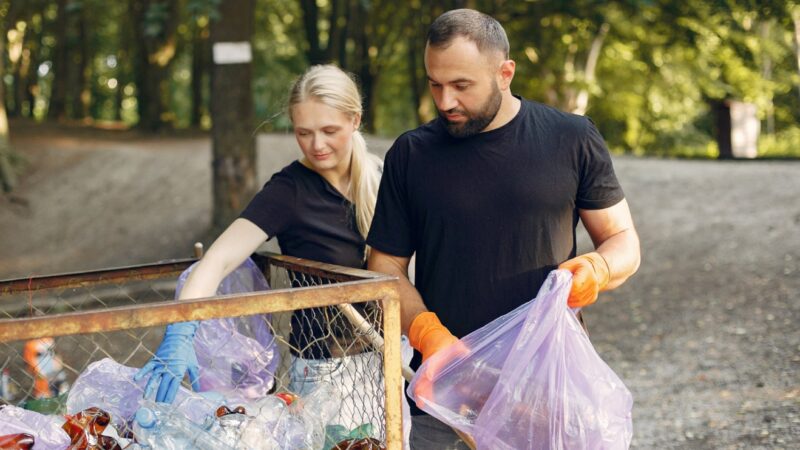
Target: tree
(7,179)
(232,114)
(155,23)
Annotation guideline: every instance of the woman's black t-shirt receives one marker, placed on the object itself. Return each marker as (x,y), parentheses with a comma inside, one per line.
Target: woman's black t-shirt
(311,220)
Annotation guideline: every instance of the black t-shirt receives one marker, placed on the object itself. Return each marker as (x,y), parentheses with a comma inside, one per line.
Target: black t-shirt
(311,220)
(489,216)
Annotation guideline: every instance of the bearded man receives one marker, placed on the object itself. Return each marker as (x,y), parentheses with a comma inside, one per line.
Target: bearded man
(488,196)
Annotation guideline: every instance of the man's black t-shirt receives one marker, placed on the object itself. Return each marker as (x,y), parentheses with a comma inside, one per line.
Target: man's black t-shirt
(489,216)
(311,220)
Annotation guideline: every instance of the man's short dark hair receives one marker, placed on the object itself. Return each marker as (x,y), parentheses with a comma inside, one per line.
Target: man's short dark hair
(475,26)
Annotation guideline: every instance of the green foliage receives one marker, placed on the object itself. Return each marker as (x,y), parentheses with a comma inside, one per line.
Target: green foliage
(783,144)
(659,63)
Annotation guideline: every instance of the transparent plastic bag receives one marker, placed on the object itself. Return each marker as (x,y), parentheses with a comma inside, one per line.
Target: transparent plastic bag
(531,379)
(236,356)
(45,429)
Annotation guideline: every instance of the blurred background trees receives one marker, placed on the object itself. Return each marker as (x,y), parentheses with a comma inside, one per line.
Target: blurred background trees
(648,72)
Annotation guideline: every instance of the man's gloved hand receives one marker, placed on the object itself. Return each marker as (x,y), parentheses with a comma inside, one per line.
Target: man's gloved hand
(429,336)
(173,359)
(590,274)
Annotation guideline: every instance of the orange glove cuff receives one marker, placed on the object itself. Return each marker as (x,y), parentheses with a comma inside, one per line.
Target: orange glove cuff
(428,335)
(590,275)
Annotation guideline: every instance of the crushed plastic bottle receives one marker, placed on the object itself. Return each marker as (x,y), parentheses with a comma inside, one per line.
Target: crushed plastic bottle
(86,428)
(18,441)
(229,424)
(159,426)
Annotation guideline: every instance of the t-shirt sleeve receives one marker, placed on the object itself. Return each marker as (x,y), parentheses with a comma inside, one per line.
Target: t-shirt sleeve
(598,187)
(273,208)
(390,231)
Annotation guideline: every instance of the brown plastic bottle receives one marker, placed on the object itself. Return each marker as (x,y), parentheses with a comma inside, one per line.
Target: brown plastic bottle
(359,444)
(19,441)
(85,430)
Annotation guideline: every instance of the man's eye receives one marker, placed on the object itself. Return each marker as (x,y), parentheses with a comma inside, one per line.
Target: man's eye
(462,87)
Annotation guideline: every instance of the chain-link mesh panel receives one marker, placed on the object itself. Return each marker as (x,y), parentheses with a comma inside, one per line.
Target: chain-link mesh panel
(316,348)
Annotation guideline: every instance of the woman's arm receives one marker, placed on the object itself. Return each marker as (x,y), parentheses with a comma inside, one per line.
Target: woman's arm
(227,253)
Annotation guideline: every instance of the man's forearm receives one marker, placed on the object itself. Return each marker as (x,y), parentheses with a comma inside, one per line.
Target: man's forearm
(411,303)
(621,252)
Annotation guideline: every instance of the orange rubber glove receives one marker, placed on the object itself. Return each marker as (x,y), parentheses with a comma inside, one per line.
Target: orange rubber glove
(590,274)
(428,336)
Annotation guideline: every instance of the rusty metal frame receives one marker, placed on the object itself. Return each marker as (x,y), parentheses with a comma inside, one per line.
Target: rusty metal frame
(354,286)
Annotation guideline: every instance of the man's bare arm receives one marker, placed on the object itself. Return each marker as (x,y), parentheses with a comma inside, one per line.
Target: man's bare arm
(615,239)
(411,304)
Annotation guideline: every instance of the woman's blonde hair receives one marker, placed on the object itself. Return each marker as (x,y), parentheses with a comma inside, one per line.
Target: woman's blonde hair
(335,88)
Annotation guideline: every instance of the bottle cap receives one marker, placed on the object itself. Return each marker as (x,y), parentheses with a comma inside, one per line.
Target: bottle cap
(145,418)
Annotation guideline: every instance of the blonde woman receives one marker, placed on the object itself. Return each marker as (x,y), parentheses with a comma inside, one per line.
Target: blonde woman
(319,207)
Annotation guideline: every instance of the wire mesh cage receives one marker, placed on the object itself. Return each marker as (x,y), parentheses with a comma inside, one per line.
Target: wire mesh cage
(326,335)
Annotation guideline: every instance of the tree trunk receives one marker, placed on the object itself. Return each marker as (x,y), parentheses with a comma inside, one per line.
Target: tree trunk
(582,100)
(57,108)
(200,58)
(232,116)
(722,128)
(79,88)
(7,178)
(766,73)
(315,54)
(153,57)
(796,20)
(30,78)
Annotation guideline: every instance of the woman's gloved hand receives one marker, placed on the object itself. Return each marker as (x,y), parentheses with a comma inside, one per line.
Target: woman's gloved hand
(590,274)
(174,358)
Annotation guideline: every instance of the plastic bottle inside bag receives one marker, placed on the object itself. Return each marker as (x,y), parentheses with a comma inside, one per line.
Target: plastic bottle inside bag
(18,441)
(159,426)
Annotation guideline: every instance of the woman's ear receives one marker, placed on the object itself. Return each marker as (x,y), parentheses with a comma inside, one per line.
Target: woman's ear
(357,120)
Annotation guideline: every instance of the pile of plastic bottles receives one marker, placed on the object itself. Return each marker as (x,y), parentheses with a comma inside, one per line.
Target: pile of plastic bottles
(106,411)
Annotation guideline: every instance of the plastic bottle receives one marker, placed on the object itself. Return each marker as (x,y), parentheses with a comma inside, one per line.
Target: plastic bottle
(19,441)
(86,428)
(360,444)
(158,426)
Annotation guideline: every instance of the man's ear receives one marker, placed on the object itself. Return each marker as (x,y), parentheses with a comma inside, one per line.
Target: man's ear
(506,73)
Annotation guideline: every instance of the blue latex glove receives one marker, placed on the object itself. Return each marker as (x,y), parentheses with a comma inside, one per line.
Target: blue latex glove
(173,359)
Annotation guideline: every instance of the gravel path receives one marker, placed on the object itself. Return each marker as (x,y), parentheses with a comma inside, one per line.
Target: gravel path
(705,335)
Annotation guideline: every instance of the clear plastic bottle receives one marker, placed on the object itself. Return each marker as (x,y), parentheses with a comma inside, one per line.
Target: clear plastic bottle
(159,427)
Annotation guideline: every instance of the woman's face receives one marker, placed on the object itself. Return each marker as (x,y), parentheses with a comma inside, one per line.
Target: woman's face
(324,135)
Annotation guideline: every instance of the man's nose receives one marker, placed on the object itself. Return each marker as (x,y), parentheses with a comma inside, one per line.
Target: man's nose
(447,100)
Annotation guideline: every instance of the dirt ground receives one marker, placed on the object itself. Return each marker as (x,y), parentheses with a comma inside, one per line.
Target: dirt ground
(705,335)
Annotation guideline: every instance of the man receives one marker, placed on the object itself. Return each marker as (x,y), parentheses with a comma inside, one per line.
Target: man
(488,196)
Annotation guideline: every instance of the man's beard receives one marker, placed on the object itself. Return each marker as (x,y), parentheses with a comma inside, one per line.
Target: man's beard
(478,121)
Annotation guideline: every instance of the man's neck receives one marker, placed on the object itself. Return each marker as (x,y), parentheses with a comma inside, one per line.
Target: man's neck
(509,108)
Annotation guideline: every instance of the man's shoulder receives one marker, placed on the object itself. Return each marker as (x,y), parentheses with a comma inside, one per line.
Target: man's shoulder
(558,120)
(420,138)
